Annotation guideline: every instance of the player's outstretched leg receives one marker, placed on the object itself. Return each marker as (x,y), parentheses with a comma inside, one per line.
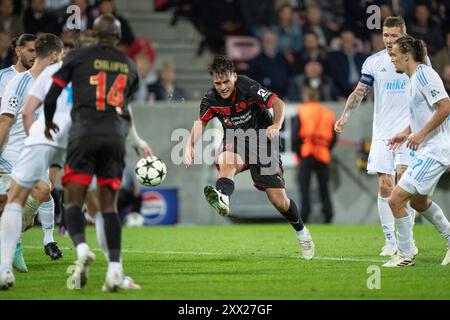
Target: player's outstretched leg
(219,197)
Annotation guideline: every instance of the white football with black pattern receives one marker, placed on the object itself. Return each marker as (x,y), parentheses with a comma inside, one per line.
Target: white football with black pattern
(150,171)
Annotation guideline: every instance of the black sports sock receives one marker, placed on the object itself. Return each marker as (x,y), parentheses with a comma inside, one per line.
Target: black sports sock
(293,216)
(113,232)
(75,223)
(225,185)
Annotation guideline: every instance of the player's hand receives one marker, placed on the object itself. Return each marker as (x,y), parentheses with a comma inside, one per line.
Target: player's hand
(50,126)
(340,124)
(397,140)
(145,150)
(413,142)
(189,154)
(273,131)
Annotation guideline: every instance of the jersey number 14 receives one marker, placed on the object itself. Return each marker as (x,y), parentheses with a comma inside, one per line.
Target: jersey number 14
(115,93)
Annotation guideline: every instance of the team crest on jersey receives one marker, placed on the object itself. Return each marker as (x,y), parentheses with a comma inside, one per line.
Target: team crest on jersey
(13,102)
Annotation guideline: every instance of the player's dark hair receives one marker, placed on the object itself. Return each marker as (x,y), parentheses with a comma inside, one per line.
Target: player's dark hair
(391,22)
(415,47)
(221,65)
(21,40)
(46,43)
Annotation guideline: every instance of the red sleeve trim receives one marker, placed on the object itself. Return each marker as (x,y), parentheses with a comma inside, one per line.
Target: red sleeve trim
(202,119)
(59,82)
(269,103)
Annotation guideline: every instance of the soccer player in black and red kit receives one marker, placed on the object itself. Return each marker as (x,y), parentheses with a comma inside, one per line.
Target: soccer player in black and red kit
(250,131)
(103,80)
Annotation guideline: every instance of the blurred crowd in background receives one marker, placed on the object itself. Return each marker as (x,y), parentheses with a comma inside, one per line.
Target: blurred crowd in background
(284,45)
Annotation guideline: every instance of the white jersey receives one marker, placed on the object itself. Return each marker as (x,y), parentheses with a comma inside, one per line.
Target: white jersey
(390,114)
(426,88)
(6,75)
(12,103)
(62,118)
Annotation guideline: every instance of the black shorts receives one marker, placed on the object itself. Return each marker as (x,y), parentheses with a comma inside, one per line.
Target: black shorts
(266,168)
(102,156)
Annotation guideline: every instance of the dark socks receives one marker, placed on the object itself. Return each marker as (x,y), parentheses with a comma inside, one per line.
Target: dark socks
(225,186)
(75,223)
(293,216)
(113,231)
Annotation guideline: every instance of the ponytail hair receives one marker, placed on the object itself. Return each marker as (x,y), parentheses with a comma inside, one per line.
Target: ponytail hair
(20,41)
(415,47)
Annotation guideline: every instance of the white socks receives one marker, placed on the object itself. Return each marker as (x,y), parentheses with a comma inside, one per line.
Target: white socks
(404,228)
(100,232)
(411,212)
(436,217)
(302,233)
(10,231)
(47,218)
(386,219)
(82,248)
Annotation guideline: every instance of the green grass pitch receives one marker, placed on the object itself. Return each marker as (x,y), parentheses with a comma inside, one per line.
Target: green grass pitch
(242,262)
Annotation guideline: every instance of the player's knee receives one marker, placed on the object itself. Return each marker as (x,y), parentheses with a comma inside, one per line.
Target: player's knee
(385,189)
(41,192)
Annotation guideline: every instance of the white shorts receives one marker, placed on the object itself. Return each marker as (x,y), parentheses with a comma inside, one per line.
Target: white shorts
(5,182)
(422,175)
(383,160)
(34,162)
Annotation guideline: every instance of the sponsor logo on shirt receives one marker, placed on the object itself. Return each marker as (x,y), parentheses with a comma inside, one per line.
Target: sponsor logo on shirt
(396,85)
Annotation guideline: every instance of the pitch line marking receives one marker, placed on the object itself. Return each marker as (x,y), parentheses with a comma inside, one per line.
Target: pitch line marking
(195,253)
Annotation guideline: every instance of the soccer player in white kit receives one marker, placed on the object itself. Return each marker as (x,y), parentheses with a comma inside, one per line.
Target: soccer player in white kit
(48,51)
(23,48)
(390,117)
(429,135)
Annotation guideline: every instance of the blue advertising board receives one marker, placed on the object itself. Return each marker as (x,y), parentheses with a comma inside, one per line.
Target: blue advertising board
(159,206)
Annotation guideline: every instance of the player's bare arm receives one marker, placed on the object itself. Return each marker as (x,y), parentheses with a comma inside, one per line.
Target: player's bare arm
(138,144)
(399,138)
(196,133)
(441,112)
(6,121)
(30,106)
(353,102)
(278,117)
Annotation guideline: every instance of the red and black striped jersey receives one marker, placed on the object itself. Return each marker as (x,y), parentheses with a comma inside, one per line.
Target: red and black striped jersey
(246,109)
(103,80)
